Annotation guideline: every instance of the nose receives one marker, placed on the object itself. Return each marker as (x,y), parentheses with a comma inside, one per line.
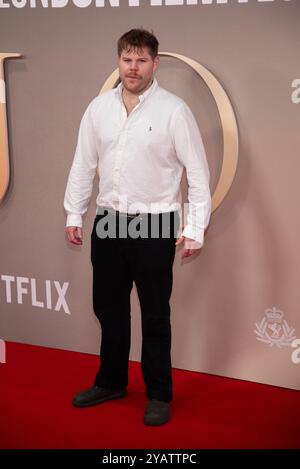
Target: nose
(133,65)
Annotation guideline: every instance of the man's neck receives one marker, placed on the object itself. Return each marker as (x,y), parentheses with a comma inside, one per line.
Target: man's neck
(127,95)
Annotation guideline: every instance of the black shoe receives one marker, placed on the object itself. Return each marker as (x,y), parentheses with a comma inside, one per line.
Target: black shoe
(96,395)
(157,412)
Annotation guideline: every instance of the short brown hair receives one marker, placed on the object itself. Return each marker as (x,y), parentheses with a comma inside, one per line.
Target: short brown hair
(137,39)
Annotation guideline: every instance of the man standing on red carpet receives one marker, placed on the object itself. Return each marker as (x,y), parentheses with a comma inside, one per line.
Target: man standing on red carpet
(140,137)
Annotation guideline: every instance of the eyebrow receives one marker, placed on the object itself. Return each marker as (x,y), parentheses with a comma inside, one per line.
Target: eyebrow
(141,57)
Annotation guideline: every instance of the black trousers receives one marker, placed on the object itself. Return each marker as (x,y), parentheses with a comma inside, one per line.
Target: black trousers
(117,263)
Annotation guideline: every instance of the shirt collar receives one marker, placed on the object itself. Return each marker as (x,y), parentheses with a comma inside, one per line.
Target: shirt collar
(142,96)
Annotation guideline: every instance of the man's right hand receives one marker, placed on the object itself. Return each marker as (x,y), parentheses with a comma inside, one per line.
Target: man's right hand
(74,234)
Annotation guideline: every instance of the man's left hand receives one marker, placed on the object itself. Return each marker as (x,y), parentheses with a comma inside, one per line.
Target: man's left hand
(186,251)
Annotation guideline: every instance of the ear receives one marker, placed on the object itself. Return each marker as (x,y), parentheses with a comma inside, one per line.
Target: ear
(156,62)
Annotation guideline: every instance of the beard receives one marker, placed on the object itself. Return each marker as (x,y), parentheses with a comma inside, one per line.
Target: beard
(137,84)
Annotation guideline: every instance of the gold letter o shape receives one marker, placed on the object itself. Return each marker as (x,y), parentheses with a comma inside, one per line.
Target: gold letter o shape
(227,117)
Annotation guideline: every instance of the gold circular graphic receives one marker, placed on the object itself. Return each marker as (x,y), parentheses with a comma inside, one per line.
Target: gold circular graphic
(4,149)
(227,117)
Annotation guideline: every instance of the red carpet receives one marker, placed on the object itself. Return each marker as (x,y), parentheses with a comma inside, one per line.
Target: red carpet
(37,385)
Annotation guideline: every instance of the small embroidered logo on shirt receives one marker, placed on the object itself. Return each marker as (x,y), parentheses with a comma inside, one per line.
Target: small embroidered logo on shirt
(150,128)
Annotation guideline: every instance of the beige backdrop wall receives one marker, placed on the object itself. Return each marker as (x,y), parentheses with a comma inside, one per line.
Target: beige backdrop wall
(251,259)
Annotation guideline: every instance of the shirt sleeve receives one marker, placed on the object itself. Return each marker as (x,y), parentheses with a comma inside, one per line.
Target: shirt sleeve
(191,153)
(80,181)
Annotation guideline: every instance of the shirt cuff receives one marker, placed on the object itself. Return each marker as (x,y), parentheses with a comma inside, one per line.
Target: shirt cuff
(198,236)
(73,219)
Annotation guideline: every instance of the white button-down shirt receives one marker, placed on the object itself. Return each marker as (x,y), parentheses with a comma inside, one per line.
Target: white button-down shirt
(140,159)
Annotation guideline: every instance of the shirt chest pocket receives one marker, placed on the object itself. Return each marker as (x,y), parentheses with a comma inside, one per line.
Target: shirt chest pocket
(152,137)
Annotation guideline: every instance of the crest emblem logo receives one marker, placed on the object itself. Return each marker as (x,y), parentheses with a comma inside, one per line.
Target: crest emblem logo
(274,330)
